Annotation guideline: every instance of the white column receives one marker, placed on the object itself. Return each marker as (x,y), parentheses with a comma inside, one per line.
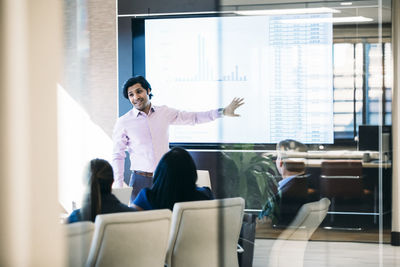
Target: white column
(30,53)
(396,123)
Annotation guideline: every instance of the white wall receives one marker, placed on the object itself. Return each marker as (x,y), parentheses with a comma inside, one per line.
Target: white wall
(88,92)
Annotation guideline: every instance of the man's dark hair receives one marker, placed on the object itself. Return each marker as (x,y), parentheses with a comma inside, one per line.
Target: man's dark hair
(134,80)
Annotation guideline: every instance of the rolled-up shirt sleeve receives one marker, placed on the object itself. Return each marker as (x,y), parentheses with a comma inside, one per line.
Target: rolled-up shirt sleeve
(191,118)
(120,143)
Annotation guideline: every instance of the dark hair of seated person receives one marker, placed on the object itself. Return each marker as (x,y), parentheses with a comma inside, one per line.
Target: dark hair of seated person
(99,181)
(175,181)
(98,198)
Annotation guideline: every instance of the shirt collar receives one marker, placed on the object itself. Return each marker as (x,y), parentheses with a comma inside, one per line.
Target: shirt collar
(153,108)
(137,112)
(282,182)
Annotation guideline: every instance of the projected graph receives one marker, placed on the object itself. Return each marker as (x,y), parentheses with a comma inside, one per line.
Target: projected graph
(281,67)
(208,69)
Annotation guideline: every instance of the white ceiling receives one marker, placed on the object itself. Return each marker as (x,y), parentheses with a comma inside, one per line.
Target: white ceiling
(377,10)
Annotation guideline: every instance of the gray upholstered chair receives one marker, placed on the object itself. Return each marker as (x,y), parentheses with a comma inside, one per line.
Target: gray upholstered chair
(203,178)
(288,249)
(130,239)
(79,237)
(123,194)
(205,233)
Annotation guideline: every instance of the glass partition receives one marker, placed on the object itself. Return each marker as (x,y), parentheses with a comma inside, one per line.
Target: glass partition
(353,171)
(311,150)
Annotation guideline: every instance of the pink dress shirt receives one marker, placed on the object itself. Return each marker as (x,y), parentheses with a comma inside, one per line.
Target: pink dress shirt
(146,137)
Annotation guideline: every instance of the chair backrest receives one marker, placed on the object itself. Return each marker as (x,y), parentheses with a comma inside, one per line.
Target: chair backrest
(79,237)
(288,249)
(203,178)
(307,220)
(123,194)
(205,233)
(341,178)
(293,196)
(130,239)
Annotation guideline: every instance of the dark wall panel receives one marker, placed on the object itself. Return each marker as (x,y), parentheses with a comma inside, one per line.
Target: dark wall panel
(157,6)
(125,70)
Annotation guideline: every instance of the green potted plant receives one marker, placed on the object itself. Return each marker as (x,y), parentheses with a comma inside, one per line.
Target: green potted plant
(251,175)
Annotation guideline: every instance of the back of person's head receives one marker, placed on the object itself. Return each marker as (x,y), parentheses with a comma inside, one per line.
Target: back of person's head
(296,149)
(174,179)
(290,145)
(134,80)
(98,178)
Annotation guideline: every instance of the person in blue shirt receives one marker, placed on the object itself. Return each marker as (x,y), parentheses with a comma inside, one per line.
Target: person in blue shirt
(174,181)
(292,191)
(98,198)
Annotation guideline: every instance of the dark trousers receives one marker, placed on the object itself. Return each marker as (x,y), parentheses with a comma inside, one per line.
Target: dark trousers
(138,182)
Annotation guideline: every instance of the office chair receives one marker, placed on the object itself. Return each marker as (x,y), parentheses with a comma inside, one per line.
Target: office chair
(289,248)
(341,181)
(203,178)
(123,194)
(130,239)
(79,237)
(205,233)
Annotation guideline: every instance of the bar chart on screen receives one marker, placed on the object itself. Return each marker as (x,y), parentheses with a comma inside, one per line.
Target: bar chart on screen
(277,63)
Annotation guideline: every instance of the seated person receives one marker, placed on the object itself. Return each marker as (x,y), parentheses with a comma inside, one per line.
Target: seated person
(98,198)
(292,189)
(174,181)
